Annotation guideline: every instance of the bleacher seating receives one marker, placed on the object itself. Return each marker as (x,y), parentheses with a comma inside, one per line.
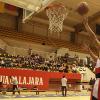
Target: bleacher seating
(11,33)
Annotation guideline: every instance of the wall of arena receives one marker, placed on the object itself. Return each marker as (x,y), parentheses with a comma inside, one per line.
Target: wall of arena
(15,47)
(32,28)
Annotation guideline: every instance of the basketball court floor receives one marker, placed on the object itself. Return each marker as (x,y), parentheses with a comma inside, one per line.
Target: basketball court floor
(47,96)
(53,98)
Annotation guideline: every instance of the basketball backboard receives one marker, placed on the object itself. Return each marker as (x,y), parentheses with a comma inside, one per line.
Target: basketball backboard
(28,14)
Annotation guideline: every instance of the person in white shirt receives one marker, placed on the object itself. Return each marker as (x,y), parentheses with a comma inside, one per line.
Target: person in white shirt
(64,85)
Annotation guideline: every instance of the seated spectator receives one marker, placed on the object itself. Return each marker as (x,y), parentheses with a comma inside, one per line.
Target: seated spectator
(74,70)
(37,62)
(66,69)
(61,69)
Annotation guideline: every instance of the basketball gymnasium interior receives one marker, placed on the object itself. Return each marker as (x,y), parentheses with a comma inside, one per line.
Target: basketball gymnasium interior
(43,40)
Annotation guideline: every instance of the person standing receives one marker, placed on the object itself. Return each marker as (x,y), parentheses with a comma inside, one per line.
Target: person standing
(95,95)
(14,83)
(96,89)
(64,85)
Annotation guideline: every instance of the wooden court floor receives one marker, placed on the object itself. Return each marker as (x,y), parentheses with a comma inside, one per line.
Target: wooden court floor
(52,98)
(47,96)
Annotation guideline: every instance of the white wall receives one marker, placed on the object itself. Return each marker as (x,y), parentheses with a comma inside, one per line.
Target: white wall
(81,55)
(21,47)
(62,51)
(16,47)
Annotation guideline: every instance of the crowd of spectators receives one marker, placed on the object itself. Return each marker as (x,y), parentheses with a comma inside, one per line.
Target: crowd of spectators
(64,63)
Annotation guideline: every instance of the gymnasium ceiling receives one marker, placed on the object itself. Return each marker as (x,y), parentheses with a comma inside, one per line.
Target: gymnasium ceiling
(73,17)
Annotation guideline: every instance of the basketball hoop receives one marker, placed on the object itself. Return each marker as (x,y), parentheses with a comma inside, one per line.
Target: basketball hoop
(56,14)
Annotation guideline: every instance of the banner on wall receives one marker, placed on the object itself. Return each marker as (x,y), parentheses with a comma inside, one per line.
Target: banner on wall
(23,80)
(29,78)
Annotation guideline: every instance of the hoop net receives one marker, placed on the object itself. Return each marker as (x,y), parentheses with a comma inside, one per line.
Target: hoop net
(56,14)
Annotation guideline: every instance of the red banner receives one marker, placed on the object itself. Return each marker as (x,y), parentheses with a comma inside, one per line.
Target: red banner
(30,78)
(10,7)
